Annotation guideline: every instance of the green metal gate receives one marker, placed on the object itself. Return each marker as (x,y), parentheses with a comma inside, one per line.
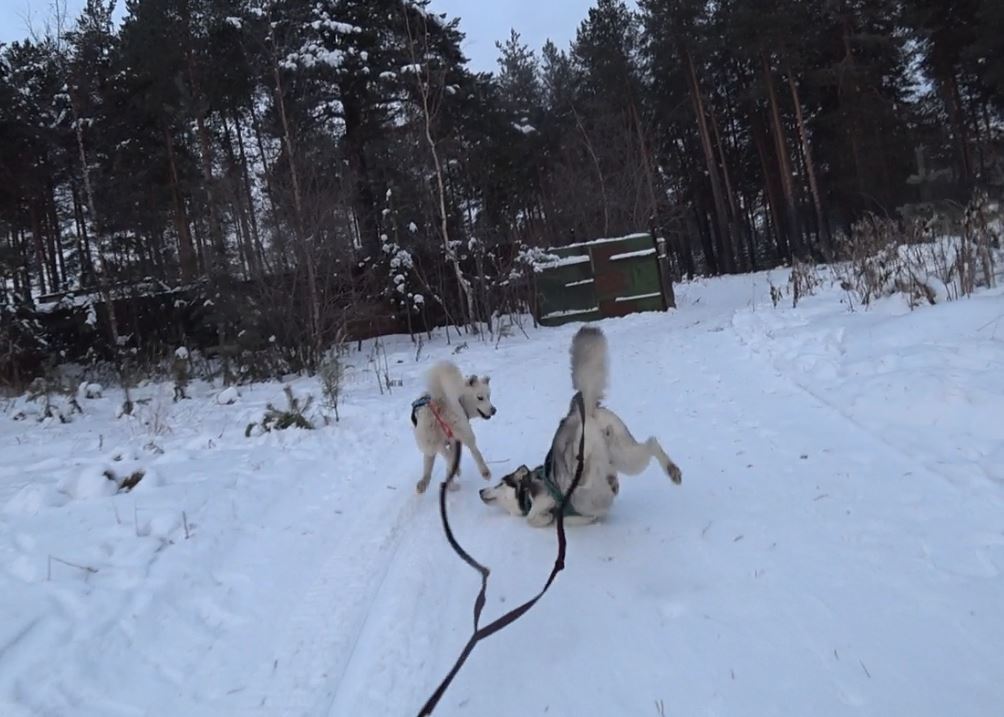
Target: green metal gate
(601,279)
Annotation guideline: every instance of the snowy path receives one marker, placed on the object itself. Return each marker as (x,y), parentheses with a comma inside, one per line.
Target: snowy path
(811,563)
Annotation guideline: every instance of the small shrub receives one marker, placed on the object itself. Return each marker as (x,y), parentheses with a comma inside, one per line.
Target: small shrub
(125,483)
(919,257)
(803,282)
(332,373)
(181,372)
(279,420)
(41,391)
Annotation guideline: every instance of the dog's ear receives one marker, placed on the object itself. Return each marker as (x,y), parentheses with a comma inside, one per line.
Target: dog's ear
(486,379)
(471,380)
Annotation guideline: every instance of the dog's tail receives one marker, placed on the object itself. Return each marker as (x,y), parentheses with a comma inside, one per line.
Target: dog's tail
(590,365)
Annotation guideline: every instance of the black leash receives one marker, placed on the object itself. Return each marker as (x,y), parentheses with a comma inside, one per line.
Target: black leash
(480,633)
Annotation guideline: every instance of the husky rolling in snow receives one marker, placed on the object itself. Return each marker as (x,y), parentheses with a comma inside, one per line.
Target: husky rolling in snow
(442,419)
(609,450)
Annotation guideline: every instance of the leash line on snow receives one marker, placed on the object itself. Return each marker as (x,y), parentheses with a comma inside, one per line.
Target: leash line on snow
(480,633)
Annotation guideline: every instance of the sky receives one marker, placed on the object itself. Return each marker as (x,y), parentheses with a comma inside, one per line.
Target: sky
(483,21)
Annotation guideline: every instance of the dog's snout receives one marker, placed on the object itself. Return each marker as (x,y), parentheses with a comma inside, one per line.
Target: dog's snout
(494,410)
(485,494)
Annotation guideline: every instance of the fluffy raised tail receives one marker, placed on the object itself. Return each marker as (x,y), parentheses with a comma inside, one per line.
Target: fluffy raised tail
(590,365)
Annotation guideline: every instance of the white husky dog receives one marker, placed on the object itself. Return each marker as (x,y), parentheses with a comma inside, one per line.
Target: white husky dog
(442,419)
(609,449)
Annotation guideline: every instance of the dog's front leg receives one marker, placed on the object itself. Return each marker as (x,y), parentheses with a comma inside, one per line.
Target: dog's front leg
(541,514)
(427,463)
(466,436)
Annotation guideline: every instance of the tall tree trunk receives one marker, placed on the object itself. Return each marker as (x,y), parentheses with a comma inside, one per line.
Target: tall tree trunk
(605,202)
(186,247)
(257,248)
(244,243)
(425,88)
(781,247)
(25,254)
(205,146)
(83,240)
(313,297)
(852,125)
(961,133)
(267,169)
(810,169)
(56,233)
(734,243)
(101,274)
(51,245)
(365,199)
(725,262)
(38,241)
(783,159)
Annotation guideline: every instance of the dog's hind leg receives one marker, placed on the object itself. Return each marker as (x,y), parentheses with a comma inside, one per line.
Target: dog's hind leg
(672,470)
(427,463)
(631,457)
(451,453)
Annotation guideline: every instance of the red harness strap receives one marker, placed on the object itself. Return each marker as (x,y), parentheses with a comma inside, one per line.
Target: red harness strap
(439,419)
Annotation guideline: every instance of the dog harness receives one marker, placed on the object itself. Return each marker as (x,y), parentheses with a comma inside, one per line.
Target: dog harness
(545,474)
(426,401)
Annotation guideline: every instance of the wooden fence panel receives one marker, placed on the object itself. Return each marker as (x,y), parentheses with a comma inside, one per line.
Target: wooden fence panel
(598,279)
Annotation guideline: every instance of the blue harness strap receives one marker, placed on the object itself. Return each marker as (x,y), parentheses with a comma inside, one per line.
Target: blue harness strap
(418,403)
(546,475)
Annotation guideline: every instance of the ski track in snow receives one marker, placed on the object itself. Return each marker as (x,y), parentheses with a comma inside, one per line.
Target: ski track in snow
(826,554)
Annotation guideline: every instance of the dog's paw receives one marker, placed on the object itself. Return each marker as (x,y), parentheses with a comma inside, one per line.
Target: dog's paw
(674,473)
(453,484)
(541,519)
(486,473)
(422,485)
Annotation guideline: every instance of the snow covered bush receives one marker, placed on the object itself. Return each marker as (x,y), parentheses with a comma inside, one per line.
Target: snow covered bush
(41,391)
(292,417)
(180,372)
(332,373)
(918,259)
(90,390)
(228,396)
(804,281)
(23,344)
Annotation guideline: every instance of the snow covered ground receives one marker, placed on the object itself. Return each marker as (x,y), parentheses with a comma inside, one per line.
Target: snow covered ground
(836,548)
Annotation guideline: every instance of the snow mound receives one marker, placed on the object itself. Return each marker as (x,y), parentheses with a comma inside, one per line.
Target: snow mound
(92,482)
(90,390)
(228,396)
(27,501)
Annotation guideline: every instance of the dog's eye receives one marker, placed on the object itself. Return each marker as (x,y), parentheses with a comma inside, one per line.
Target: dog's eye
(481,398)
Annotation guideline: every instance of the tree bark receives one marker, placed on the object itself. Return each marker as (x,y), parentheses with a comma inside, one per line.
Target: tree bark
(783,160)
(424,89)
(205,147)
(186,247)
(733,244)
(725,263)
(313,297)
(810,168)
(256,248)
(40,258)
